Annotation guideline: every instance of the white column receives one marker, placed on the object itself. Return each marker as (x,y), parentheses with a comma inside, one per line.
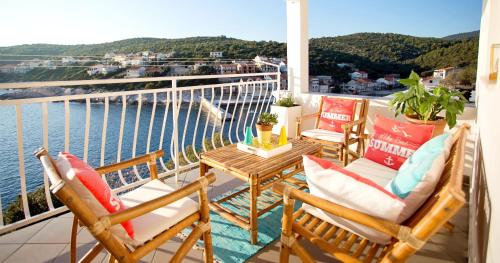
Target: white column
(297,46)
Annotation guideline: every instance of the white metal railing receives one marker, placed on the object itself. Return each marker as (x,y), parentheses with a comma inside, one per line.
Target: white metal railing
(106,127)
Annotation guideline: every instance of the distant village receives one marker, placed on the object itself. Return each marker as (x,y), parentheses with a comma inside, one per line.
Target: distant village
(156,64)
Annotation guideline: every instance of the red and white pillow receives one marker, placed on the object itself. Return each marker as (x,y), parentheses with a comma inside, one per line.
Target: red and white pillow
(335,112)
(393,141)
(328,181)
(93,190)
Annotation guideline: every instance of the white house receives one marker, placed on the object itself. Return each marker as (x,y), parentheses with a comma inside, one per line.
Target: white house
(383,81)
(68,60)
(101,69)
(107,69)
(216,54)
(430,82)
(135,72)
(359,75)
(314,85)
(227,68)
(442,73)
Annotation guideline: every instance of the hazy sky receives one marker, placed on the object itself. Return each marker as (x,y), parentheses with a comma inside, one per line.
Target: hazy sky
(97,21)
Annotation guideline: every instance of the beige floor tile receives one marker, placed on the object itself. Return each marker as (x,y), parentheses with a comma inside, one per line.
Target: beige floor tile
(24,234)
(7,249)
(56,231)
(64,255)
(165,252)
(35,253)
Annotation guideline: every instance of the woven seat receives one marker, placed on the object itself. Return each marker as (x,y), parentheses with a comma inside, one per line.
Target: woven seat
(408,237)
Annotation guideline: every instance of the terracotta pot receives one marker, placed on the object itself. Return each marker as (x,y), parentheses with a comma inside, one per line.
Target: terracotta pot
(439,124)
(264,134)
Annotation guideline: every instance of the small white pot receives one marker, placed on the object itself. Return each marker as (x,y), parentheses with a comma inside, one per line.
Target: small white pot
(287,116)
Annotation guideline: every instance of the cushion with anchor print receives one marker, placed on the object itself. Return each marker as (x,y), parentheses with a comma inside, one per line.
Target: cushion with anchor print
(393,142)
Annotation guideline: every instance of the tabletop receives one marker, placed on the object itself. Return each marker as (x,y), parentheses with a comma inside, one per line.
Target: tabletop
(247,164)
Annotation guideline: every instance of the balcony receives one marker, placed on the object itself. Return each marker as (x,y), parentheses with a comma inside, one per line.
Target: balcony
(184,121)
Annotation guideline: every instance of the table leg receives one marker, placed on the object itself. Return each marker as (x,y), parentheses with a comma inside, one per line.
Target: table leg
(203,169)
(253,209)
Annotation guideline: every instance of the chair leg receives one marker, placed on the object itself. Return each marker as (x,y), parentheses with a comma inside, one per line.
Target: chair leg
(74,231)
(208,254)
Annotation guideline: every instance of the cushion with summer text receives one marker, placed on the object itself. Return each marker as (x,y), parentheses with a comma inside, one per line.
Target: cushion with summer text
(328,181)
(393,142)
(92,189)
(335,112)
(417,178)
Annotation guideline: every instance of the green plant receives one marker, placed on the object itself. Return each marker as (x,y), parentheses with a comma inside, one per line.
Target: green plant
(266,119)
(426,105)
(286,102)
(37,204)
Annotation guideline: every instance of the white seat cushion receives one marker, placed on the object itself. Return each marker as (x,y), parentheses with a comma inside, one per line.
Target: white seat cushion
(151,224)
(325,135)
(380,174)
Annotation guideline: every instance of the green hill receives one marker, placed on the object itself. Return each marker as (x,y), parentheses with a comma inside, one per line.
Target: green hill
(376,53)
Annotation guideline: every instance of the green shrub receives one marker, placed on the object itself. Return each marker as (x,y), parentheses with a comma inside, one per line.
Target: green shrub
(286,102)
(37,204)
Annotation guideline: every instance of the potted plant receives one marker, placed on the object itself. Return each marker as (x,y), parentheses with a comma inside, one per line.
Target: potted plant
(265,126)
(422,106)
(288,112)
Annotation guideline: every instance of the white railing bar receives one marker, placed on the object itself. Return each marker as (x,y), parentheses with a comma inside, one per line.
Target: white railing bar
(241,113)
(249,108)
(1,213)
(77,97)
(207,120)
(216,116)
(186,126)
(120,138)
(136,131)
(66,125)
(175,128)
(270,100)
(165,115)
(20,155)
(225,116)
(151,122)
(200,109)
(45,131)
(234,113)
(66,83)
(87,131)
(104,130)
(259,99)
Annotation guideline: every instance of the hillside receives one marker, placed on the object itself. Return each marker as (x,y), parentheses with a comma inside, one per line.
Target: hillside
(376,53)
(463,36)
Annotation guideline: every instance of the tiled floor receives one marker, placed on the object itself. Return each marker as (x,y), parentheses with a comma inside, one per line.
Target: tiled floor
(48,241)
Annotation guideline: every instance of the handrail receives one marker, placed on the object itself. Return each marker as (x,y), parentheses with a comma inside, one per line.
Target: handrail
(104,128)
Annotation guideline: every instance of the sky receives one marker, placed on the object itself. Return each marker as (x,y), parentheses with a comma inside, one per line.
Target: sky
(98,21)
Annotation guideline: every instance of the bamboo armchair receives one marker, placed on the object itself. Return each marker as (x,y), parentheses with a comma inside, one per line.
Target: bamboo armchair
(100,227)
(353,133)
(407,237)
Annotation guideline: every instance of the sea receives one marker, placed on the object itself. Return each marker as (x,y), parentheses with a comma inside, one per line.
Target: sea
(33,135)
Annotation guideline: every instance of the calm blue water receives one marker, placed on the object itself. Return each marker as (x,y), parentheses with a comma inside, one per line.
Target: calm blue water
(32,129)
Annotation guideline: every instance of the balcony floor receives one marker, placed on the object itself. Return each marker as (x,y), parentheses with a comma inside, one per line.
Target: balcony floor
(48,241)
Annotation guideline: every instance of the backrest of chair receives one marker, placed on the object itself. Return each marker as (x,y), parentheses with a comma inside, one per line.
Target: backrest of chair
(360,110)
(66,194)
(446,200)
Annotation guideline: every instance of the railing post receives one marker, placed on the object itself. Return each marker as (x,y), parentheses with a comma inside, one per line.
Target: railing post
(175,113)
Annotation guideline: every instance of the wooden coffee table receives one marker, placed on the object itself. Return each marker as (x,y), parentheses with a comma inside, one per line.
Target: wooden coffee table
(260,173)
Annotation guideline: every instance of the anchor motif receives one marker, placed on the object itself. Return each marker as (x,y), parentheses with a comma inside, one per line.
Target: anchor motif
(389,161)
(397,129)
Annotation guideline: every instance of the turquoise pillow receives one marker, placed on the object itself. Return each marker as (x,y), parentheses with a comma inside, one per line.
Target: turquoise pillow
(419,164)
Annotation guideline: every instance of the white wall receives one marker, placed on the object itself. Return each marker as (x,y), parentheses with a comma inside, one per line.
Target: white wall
(486,208)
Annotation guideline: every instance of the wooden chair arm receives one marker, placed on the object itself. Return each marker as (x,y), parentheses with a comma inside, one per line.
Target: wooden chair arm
(308,116)
(351,124)
(149,157)
(378,224)
(151,205)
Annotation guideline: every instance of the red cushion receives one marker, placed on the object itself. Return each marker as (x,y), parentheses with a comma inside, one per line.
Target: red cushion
(335,112)
(393,141)
(97,187)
